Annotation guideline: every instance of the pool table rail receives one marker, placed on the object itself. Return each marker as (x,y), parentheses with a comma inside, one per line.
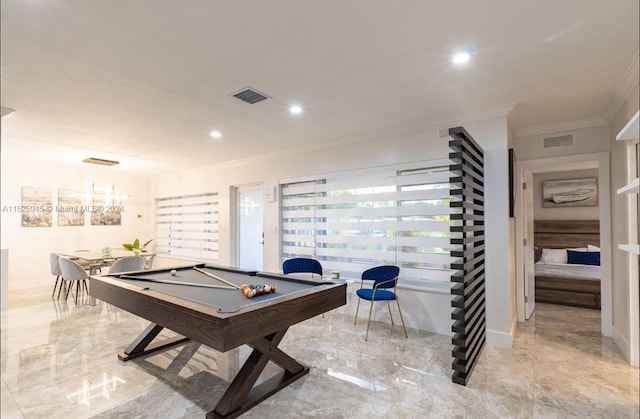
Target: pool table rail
(220,331)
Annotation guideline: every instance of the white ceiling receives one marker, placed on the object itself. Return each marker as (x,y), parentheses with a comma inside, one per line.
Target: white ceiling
(145,81)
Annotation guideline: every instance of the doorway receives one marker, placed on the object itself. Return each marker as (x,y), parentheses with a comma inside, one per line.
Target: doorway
(557,164)
(249,230)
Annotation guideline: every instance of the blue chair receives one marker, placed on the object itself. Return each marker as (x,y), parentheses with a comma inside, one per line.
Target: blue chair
(384,278)
(306,265)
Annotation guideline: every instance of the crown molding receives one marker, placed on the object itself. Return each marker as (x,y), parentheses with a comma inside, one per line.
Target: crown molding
(497,112)
(626,86)
(561,126)
(502,111)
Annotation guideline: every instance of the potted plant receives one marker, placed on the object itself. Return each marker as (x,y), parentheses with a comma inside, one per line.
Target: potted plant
(135,246)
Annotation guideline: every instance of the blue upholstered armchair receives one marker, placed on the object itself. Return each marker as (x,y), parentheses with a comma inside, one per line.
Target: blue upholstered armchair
(307,265)
(385,280)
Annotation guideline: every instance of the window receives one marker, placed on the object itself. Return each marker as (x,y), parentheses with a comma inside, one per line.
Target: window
(187,227)
(352,221)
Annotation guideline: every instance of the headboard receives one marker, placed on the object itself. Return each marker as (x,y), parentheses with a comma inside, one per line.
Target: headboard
(560,234)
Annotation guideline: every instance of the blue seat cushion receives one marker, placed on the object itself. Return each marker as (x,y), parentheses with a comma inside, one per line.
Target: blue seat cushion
(382,295)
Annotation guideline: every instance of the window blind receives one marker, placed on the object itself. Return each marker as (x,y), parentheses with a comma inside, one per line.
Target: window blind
(351,221)
(187,226)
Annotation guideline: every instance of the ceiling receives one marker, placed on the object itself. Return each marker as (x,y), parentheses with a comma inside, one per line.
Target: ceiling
(144,82)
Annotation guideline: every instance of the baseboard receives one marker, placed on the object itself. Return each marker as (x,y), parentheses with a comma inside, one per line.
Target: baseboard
(622,343)
(501,338)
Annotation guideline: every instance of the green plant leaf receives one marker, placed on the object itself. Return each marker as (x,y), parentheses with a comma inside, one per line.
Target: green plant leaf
(127,246)
(136,244)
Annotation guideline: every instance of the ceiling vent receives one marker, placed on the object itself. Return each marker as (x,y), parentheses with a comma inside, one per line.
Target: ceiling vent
(101,162)
(250,95)
(559,141)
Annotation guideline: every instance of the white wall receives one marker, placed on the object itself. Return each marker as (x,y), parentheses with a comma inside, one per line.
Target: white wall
(513,250)
(424,310)
(563,213)
(493,136)
(624,269)
(29,247)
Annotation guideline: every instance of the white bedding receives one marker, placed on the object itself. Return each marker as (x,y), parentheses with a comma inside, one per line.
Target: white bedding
(567,270)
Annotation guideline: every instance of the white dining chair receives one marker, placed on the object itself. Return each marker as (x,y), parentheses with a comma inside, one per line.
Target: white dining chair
(127,264)
(55,270)
(73,272)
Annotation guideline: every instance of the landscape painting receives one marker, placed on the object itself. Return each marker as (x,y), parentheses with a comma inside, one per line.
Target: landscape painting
(570,193)
(105,214)
(37,207)
(70,209)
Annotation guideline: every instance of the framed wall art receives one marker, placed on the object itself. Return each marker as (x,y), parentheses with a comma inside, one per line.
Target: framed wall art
(70,208)
(37,207)
(570,193)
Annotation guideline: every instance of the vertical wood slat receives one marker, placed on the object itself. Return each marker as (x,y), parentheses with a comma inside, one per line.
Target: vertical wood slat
(467,249)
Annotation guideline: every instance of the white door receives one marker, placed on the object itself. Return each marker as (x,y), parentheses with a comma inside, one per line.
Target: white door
(249,212)
(528,242)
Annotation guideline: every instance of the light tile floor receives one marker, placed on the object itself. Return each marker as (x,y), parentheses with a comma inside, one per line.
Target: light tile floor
(59,361)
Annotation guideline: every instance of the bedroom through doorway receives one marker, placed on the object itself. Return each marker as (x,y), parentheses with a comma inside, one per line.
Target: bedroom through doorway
(578,229)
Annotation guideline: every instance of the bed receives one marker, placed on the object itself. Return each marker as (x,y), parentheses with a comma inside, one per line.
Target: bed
(559,282)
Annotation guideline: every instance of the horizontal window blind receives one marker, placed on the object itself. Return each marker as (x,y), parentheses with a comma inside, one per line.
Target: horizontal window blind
(187,226)
(351,221)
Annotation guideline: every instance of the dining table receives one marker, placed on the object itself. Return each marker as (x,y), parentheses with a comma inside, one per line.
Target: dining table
(95,260)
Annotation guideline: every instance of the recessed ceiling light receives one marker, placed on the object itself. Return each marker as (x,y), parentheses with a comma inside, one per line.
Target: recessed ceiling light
(462,56)
(295,110)
(216,134)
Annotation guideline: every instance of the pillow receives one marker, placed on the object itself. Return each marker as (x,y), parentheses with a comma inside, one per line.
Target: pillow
(554,256)
(558,255)
(591,248)
(583,258)
(580,249)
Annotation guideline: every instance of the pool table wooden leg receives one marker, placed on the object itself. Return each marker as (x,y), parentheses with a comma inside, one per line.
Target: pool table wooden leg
(241,395)
(142,344)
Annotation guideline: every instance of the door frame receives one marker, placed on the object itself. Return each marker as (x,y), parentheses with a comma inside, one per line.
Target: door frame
(235,220)
(524,253)
(598,161)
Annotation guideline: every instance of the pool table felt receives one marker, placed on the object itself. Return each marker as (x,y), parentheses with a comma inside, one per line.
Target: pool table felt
(226,300)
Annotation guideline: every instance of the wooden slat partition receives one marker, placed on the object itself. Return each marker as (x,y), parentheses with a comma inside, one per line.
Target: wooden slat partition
(467,251)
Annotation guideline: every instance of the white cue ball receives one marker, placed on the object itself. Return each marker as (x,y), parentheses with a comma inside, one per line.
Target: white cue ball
(173,272)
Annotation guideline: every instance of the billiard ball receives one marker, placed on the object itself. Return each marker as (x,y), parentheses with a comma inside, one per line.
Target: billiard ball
(173,272)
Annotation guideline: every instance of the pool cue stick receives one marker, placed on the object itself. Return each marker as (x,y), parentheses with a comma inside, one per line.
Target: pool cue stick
(217,277)
(165,281)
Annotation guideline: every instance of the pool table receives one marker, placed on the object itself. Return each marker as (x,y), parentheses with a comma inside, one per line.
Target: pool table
(222,319)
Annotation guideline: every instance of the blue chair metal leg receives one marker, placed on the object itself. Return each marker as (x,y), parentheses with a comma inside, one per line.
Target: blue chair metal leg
(366,336)
(401,318)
